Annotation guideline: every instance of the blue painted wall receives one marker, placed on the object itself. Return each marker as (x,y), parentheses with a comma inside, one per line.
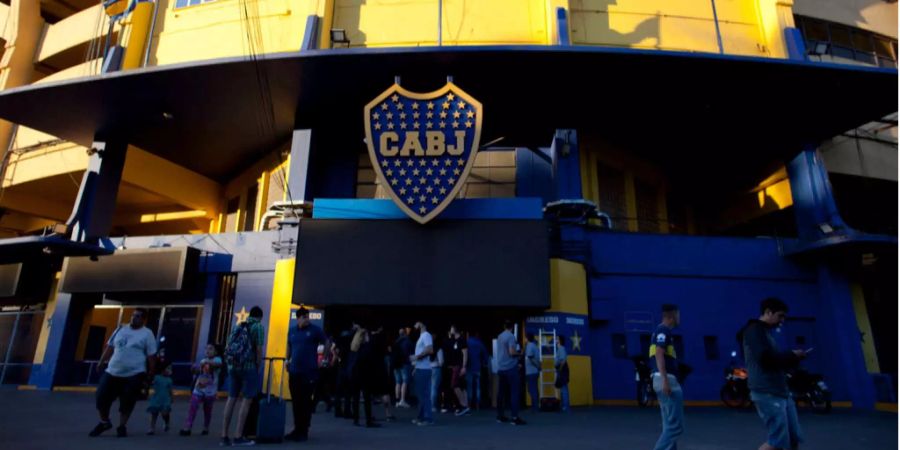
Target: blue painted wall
(718,284)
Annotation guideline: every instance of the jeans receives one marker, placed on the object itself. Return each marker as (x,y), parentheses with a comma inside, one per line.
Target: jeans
(510,387)
(435,386)
(779,414)
(423,392)
(473,381)
(533,390)
(671,407)
(564,398)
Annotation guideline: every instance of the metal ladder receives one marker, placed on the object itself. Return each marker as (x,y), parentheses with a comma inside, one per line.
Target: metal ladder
(547,376)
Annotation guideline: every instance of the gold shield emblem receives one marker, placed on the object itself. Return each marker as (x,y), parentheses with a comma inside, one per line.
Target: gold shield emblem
(423,145)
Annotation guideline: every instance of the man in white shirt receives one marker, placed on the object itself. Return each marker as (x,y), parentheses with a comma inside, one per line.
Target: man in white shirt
(422,365)
(133,348)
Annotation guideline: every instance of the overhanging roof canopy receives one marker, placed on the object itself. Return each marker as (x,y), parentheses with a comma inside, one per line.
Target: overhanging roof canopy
(726,111)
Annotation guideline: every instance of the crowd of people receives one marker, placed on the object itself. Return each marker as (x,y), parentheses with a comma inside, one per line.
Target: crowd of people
(361,365)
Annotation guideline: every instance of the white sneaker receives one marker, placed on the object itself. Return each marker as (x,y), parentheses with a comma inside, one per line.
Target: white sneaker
(403,405)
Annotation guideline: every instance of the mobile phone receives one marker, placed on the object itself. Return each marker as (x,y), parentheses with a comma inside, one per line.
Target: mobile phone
(809,349)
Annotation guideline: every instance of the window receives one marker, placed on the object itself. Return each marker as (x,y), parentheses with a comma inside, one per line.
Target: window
(611,184)
(844,42)
(645,344)
(493,175)
(231,215)
(250,209)
(647,197)
(711,346)
(619,346)
(186,3)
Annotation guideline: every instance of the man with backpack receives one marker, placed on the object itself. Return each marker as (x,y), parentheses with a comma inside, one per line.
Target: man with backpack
(243,355)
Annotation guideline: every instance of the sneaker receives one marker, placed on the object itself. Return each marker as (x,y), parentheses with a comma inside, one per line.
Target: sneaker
(243,442)
(185,433)
(518,421)
(425,423)
(463,412)
(100,428)
(403,405)
(444,410)
(502,419)
(121,431)
(225,442)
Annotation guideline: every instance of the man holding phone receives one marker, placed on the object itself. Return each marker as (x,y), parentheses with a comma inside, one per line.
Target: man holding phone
(766,366)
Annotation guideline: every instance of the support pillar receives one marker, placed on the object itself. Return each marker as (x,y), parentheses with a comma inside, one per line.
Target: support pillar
(92,213)
(566,166)
(818,219)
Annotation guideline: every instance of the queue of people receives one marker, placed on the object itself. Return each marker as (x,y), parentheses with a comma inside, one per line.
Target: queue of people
(360,366)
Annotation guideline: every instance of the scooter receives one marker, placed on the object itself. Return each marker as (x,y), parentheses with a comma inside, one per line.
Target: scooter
(643,381)
(811,389)
(736,392)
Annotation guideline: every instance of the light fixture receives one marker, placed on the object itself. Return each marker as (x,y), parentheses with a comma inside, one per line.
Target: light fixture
(826,228)
(820,48)
(339,36)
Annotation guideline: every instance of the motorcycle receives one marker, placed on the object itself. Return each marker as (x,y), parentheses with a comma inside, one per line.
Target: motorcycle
(811,389)
(643,381)
(736,392)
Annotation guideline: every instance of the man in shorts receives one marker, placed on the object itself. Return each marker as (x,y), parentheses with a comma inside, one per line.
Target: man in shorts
(133,348)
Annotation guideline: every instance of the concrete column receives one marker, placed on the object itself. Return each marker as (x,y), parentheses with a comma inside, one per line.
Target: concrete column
(814,205)
(92,213)
(58,366)
(838,321)
(24,30)
(566,165)
(298,169)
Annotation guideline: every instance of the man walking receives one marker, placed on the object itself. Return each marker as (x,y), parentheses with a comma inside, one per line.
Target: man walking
(457,361)
(508,353)
(400,353)
(766,365)
(302,347)
(133,348)
(477,359)
(243,355)
(532,370)
(664,363)
(420,359)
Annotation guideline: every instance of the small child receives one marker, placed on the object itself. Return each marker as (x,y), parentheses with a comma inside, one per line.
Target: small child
(161,401)
(205,388)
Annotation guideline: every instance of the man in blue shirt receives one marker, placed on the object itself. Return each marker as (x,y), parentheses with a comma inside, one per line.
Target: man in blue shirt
(508,352)
(303,342)
(664,364)
(477,359)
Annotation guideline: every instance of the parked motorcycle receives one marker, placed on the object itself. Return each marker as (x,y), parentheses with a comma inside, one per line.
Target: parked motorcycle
(643,381)
(736,392)
(810,388)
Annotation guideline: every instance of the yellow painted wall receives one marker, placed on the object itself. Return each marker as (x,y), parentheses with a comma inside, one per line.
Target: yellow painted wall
(568,294)
(414,23)
(74,30)
(216,30)
(870,354)
(568,287)
(683,25)
(41,347)
(280,317)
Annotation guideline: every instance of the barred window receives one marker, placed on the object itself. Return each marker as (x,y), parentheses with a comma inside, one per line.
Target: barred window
(845,42)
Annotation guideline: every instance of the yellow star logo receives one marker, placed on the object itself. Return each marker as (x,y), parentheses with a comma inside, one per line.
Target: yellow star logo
(242,315)
(450,96)
(576,341)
